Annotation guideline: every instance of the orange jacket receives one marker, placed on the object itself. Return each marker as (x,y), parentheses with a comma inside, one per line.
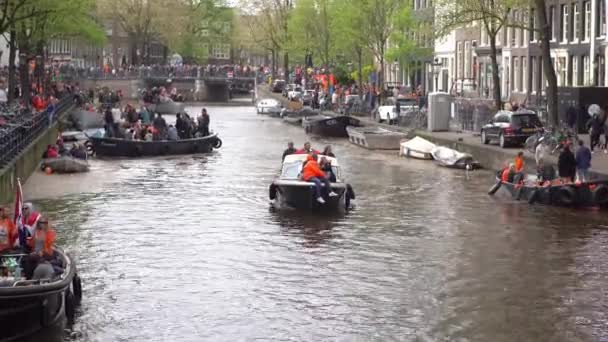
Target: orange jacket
(505,175)
(312,169)
(519,164)
(8,234)
(48,237)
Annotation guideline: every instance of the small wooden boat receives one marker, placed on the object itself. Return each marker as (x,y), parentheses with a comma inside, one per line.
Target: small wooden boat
(289,191)
(169,107)
(27,306)
(65,164)
(418,148)
(113,147)
(448,157)
(375,138)
(330,126)
(589,194)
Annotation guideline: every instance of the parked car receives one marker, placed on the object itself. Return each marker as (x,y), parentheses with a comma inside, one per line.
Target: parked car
(287,89)
(295,94)
(278,86)
(388,111)
(510,128)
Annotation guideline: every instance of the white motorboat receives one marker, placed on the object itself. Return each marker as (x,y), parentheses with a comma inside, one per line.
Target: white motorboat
(268,106)
(418,148)
(375,138)
(448,157)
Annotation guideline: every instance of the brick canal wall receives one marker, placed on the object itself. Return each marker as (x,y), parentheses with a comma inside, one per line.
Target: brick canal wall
(28,160)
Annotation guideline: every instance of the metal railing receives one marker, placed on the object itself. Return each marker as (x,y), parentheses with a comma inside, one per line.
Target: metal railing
(151,72)
(22,127)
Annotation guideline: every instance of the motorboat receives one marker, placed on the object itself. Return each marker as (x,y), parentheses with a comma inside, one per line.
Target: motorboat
(268,106)
(65,164)
(113,147)
(557,193)
(167,107)
(330,126)
(296,117)
(448,157)
(290,191)
(375,138)
(45,300)
(417,148)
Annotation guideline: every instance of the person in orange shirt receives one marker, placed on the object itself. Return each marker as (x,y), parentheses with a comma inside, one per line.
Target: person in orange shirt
(8,231)
(519,162)
(507,174)
(313,173)
(42,239)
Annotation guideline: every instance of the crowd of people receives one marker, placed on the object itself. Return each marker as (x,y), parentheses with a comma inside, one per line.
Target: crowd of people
(59,149)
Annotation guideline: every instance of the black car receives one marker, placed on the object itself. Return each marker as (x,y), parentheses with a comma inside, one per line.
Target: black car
(510,128)
(278,86)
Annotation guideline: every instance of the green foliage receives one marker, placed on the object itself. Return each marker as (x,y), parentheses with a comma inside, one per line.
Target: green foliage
(366,71)
(342,74)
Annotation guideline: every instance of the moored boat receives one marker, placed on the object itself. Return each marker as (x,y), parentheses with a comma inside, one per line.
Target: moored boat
(65,164)
(418,148)
(330,126)
(289,191)
(454,159)
(268,106)
(113,147)
(375,138)
(589,194)
(296,117)
(27,306)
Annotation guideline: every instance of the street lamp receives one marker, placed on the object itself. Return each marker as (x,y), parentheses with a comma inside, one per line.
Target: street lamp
(436,69)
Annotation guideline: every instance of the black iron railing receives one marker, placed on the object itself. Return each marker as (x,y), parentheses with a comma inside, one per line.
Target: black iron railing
(21,127)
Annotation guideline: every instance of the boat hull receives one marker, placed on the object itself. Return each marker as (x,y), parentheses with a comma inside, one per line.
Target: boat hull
(26,309)
(330,127)
(411,153)
(594,194)
(375,139)
(300,195)
(111,147)
(66,164)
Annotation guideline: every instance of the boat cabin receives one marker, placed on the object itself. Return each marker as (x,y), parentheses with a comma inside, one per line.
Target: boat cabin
(292,166)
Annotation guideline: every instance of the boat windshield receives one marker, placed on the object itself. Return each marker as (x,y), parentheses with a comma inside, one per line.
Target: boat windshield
(291,170)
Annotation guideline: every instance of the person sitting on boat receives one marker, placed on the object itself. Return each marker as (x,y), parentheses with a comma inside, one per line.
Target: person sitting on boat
(311,172)
(144,115)
(160,126)
(325,165)
(42,254)
(79,151)
(328,152)
(172,133)
(307,149)
(149,134)
(508,173)
(290,150)
(8,231)
(182,126)
(131,114)
(61,149)
(51,152)
(519,167)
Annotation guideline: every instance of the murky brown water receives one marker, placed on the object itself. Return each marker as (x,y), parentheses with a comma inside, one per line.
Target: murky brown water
(186,249)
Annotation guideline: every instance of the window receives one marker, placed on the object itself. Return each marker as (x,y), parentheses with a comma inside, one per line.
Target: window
(221,51)
(205,33)
(534,35)
(524,72)
(576,18)
(533,73)
(587,21)
(516,32)
(601,23)
(459,60)
(575,71)
(562,70)
(467,59)
(565,22)
(586,71)
(516,75)
(552,21)
(226,28)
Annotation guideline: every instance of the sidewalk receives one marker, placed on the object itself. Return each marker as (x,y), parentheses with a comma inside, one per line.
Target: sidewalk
(491,156)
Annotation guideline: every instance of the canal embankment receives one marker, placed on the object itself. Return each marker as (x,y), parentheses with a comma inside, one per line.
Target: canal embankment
(490,156)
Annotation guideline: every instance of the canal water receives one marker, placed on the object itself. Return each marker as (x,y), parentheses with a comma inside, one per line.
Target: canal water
(187,249)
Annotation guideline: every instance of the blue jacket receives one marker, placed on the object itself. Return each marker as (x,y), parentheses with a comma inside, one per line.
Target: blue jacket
(583,157)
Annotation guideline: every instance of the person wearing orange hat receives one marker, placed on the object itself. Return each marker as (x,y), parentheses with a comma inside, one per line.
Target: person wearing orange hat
(313,173)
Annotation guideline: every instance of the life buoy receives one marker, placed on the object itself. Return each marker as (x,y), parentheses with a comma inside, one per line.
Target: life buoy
(70,306)
(600,195)
(494,188)
(217,143)
(77,288)
(272,191)
(566,195)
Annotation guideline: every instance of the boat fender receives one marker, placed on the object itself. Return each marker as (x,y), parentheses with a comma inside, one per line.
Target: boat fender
(600,195)
(77,288)
(138,150)
(272,191)
(218,143)
(566,195)
(350,193)
(534,196)
(70,306)
(495,188)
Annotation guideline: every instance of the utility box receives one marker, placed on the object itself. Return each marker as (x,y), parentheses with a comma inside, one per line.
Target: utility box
(439,111)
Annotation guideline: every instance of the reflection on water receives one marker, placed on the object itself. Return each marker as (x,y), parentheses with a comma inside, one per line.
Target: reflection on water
(187,249)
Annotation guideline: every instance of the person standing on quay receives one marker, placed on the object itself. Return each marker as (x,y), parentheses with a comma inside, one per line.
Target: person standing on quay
(583,162)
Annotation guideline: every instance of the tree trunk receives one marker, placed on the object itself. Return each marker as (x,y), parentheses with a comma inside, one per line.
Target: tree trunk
(545,35)
(273,71)
(381,78)
(360,70)
(24,77)
(133,51)
(12,56)
(39,69)
(495,73)
(286,65)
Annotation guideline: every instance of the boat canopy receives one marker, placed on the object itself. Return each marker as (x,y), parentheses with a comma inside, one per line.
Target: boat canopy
(418,144)
(292,166)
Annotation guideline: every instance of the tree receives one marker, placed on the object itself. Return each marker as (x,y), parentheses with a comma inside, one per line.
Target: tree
(311,30)
(545,47)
